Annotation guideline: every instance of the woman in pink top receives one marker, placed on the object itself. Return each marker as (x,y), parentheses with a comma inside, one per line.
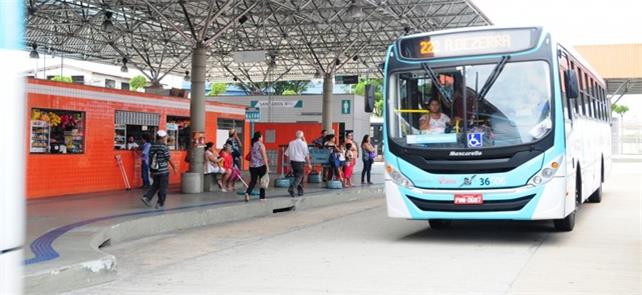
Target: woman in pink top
(228,162)
(258,165)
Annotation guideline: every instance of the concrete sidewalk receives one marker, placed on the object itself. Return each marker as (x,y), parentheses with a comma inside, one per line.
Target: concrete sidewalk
(627,158)
(65,234)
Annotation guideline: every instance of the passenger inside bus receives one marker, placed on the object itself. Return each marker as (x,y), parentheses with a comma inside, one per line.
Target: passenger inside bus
(458,106)
(434,121)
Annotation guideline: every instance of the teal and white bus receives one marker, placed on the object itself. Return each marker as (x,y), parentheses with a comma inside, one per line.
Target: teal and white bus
(12,157)
(519,130)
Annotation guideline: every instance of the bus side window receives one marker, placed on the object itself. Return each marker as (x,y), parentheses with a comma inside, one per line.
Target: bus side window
(566,103)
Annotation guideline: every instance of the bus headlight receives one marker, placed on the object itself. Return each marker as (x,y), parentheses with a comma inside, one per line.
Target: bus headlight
(398,178)
(546,174)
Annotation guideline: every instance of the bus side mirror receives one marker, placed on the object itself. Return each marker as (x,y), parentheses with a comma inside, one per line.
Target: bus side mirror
(369,98)
(570,79)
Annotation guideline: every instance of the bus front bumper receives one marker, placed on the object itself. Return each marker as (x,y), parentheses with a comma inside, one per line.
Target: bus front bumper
(522,203)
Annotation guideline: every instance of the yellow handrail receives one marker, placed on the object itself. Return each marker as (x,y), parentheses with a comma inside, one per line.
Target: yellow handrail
(411,111)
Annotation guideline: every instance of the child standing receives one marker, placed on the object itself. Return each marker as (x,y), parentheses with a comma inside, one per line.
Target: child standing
(349,165)
(335,164)
(228,162)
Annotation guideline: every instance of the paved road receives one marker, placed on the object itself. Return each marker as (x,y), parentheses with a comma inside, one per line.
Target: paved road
(355,248)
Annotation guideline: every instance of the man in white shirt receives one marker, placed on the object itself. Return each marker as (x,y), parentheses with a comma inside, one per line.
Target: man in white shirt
(298,155)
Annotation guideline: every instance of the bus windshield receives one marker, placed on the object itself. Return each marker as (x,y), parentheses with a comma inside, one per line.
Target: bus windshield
(431,108)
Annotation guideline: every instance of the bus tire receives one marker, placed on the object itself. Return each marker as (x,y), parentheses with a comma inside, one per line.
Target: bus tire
(596,197)
(438,224)
(565,224)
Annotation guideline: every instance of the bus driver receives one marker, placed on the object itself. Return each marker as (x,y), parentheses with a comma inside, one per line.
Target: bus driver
(435,121)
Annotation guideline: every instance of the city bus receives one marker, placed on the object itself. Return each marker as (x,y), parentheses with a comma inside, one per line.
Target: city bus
(12,157)
(519,130)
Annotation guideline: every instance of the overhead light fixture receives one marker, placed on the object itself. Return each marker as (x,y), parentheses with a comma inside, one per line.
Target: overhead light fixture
(337,61)
(242,19)
(355,58)
(354,10)
(235,78)
(186,78)
(317,74)
(406,29)
(34,51)
(108,26)
(272,61)
(124,68)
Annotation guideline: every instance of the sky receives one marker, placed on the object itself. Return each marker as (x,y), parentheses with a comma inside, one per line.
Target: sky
(577,22)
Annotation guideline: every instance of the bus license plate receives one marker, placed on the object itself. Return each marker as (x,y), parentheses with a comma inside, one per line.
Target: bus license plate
(468,199)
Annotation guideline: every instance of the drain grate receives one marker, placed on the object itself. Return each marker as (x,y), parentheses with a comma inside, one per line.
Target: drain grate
(106,243)
(281,210)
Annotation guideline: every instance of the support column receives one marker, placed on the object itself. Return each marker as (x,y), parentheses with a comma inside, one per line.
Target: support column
(326,117)
(192,182)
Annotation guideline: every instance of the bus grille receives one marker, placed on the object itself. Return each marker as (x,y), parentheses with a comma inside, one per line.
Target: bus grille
(494,205)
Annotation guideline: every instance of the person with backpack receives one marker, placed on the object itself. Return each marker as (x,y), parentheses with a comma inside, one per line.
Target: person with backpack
(159,163)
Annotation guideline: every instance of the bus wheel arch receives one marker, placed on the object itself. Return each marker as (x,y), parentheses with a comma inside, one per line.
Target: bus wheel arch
(596,196)
(568,223)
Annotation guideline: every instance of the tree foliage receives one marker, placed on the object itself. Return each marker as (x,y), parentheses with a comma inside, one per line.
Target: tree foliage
(58,78)
(137,82)
(293,87)
(360,89)
(217,88)
(620,109)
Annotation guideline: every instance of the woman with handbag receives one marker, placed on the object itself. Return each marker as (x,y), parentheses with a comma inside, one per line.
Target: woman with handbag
(258,165)
(369,154)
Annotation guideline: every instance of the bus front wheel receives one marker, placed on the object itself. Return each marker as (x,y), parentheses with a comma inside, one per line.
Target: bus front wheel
(438,224)
(565,224)
(568,223)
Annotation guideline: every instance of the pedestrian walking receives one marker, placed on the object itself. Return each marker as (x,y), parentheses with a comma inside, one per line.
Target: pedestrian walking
(159,162)
(235,142)
(298,155)
(259,165)
(369,154)
(144,150)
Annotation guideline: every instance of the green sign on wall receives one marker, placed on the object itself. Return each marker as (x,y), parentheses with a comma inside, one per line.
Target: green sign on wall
(345,106)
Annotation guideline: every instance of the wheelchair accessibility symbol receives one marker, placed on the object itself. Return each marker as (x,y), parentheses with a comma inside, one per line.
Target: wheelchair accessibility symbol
(475,140)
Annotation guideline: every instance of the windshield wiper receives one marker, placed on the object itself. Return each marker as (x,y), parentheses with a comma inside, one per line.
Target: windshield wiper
(435,81)
(493,76)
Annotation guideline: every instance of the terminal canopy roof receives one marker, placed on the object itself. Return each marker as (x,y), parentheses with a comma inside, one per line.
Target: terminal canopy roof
(247,40)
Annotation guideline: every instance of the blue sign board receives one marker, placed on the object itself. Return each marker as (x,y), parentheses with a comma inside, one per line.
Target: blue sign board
(252,114)
(319,156)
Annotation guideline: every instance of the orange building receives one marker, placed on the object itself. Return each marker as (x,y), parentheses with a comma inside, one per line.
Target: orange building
(75,132)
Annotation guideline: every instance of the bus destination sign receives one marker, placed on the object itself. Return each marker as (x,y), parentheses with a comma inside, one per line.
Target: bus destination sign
(467,43)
